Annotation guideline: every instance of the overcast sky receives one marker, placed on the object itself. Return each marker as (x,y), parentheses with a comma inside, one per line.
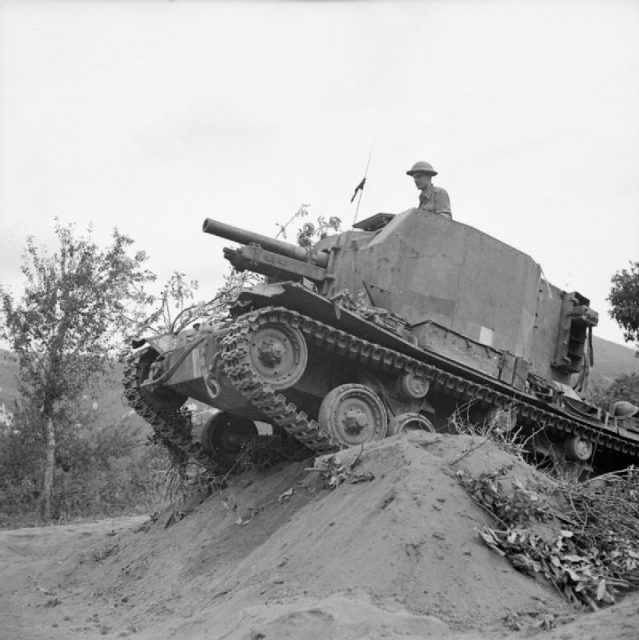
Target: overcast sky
(151,116)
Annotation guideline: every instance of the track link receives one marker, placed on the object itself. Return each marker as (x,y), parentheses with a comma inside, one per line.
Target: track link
(173,428)
(237,367)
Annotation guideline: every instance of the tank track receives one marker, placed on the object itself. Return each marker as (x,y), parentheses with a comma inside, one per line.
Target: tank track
(238,368)
(236,365)
(173,428)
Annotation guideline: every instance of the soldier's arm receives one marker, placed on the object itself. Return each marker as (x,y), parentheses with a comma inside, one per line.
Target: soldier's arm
(442,203)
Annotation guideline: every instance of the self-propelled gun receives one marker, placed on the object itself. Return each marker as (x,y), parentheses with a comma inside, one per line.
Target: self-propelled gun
(396,324)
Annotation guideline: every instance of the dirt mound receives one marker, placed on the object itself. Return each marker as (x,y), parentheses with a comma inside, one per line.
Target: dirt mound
(407,537)
(279,550)
(392,551)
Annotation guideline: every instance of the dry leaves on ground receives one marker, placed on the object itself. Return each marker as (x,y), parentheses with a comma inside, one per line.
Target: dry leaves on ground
(595,554)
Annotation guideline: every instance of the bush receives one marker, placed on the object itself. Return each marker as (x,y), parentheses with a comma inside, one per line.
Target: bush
(107,470)
(625,387)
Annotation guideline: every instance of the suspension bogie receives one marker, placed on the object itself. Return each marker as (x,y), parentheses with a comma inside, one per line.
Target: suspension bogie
(329,389)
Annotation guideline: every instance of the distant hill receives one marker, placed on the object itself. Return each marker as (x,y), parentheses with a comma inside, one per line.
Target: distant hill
(612,360)
(108,397)
(107,400)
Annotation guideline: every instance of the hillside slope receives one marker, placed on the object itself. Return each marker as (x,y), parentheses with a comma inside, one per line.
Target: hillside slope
(392,554)
(278,555)
(612,360)
(107,397)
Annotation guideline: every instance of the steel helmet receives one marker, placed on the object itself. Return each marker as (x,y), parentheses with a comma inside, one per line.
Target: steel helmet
(624,409)
(422,167)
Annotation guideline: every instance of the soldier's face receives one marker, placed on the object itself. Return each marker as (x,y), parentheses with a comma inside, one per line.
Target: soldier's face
(422,180)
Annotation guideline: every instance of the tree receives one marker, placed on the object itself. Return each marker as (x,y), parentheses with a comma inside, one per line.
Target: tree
(624,299)
(70,319)
(624,387)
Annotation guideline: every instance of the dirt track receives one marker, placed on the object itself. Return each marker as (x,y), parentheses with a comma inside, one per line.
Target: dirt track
(278,555)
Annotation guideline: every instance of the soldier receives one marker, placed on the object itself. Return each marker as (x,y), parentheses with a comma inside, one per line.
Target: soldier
(432,199)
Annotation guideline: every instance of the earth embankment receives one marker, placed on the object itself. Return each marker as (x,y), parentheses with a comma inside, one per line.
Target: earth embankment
(390,552)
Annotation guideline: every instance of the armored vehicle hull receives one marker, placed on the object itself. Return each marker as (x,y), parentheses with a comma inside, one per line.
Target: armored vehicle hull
(395,325)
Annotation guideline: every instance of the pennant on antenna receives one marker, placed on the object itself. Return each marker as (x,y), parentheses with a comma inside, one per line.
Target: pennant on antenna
(359,187)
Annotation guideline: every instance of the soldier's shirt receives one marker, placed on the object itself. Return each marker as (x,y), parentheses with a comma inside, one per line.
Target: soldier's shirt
(435,200)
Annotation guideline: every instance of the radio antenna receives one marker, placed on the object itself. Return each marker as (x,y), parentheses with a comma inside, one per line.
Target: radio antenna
(359,189)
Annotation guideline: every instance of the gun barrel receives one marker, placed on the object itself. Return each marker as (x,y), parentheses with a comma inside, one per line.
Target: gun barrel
(236,234)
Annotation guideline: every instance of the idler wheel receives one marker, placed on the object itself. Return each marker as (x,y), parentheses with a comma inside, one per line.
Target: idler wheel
(225,435)
(353,414)
(578,448)
(405,422)
(279,354)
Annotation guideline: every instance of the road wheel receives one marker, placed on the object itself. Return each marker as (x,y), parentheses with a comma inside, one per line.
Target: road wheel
(405,422)
(353,414)
(279,354)
(225,435)
(578,448)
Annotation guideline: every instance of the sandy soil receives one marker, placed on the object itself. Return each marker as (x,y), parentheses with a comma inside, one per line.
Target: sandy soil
(278,555)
